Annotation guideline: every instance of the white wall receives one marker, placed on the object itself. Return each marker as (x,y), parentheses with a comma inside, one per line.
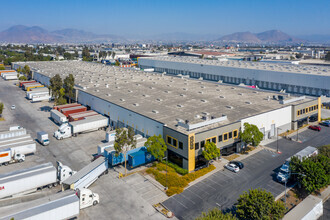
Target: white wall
(279,117)
(141,123)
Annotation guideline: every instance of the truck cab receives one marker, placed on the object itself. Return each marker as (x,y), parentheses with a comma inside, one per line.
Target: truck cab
(19,157)
(87,198)
(63,172)
(64,131)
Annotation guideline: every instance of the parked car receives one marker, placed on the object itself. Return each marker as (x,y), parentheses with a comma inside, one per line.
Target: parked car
(232,167)
(13,107)
(238,163)
(325,123)
(315,127)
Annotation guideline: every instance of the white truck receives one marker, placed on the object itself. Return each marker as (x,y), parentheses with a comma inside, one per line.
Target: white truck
(43,138)
(12,133)
(63,205)
(28,147)
(87,175)
(91,123)
(15,127)
(30,94)
(58,117)
(9,155)
(285,173)
(29,180)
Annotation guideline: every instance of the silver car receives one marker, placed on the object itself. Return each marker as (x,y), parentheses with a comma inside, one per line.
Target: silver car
(13,107)
(232,167)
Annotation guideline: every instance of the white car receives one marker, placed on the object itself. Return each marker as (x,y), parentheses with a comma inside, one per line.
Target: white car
(232,167)
(13,107)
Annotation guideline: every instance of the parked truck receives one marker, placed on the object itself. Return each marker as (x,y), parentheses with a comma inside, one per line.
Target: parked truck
(28,147)
(30,179)
(58,117)
(63,205)
(60,107)
(13,133)
(43,138)
(285,173)
(74,128)
(81,115)
(40,98)
(26,82)
(30,94)
(9,155)
(76,109)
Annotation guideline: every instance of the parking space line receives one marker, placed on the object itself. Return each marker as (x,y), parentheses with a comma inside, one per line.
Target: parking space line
(182,194)
(179,202)
(194,193)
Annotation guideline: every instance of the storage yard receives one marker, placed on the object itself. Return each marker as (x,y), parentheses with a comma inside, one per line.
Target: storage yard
(75,153)
(186,112)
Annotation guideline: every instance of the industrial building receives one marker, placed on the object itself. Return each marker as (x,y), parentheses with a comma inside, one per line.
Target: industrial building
(186,112)
(297,79)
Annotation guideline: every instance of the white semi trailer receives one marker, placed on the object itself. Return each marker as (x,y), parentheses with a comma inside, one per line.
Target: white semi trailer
(12,133)
(40,98)
(58,117)
(63,205)
(91,123)
(29,180)
(28,147)
(18,138)
(10,156)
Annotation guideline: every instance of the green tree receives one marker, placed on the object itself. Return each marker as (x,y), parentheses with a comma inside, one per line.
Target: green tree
(251,134)
(325,150)
(68,86)
(68,56)
(22,78)
(259,204)
(55,87)
(117,63)
(210,151)
(216,214)
(124,142)
(85,54)
(315,171)
(2,67)
(1,108)
(27,71)
(156,146)
(327,56)
(19,69)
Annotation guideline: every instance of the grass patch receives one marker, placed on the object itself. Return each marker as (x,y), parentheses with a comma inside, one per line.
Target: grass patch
(231,157)
(175,182)
(2,119)
(325,119)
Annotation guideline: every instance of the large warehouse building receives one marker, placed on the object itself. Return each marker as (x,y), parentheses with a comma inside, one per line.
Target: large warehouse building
(298,79)
(186,112)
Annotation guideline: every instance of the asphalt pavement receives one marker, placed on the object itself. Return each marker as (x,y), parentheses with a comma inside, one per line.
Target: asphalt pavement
(223,188)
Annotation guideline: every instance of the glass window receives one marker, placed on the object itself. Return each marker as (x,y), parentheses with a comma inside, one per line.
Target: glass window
(225,136)
(197,146)
(180,145)
(169,140)
(214,140)
(174,143)
(303,111)
(202,144)
(298,112)
(230,135)
(220,138)
(235,133)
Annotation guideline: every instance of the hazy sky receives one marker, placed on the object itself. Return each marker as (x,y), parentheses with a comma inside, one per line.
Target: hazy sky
(146,17)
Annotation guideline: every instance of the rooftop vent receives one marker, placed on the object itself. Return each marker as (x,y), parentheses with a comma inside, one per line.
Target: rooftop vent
(233,88)
(108,94)
(222,97)
(159,100)
(96,90)
(167,91)
(182,95)
(155,111)
(185,89)
(145,95)
(201,92)
(123,100)
(249,103)
(240,93)
(229,106)
(180,106)
(136,104)
(130,91)
(203,100)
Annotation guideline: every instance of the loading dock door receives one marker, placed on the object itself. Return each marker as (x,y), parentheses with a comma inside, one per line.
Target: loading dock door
(272,130)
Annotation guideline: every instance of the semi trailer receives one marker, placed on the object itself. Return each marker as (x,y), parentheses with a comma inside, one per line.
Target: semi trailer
(40,98)
(17,138)
(26,82)
(28,180)
(63,205)
(13,133)
(81,115)
(9,155)
(72,110)
(28,147)
(60,107)
(58,117)
(91,123)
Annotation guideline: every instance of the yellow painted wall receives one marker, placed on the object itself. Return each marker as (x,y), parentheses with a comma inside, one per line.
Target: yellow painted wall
(319,109)
(191,152)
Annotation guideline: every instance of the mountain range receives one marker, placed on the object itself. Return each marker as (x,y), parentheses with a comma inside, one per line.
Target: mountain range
(272,36)
(35,34)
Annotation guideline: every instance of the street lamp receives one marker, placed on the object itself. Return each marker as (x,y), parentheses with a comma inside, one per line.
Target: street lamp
(277,139)
(285,185)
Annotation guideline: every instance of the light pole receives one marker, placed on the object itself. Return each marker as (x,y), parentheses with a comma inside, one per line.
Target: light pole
(277,139)
(285,185)
(166,169)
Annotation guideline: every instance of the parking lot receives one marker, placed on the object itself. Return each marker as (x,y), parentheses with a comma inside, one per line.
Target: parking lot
(76,152)
(223,188)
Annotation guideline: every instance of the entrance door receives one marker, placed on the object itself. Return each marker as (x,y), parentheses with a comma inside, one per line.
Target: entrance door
(262,130)
(272,130)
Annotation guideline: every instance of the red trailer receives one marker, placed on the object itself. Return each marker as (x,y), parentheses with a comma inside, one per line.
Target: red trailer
(26,82)
(81,115)
(67,111)
(60,107)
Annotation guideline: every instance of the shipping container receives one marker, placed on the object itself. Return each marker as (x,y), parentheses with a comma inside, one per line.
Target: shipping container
(60,107)
(35,86)
(139,158)
(81,115)
(26,85)
(24,82)
(67,111)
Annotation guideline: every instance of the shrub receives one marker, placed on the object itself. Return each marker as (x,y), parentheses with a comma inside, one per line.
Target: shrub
(174,190)
(175,168)
(195,175)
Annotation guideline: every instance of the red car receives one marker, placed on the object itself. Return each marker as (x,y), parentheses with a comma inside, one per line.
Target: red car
(315,127)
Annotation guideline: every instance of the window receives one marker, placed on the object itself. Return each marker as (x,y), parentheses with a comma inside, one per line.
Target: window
(235,133)
(225,137)
(202,144)
(303,111)
(214,140)
(197,146)
(230,135)
(317,106)
(175,143)
(298,112)
(306,110)
(220,138)
(169,140)
(311,108)
(180,145)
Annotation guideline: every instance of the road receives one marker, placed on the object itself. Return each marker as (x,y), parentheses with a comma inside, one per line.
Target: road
(223,188)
